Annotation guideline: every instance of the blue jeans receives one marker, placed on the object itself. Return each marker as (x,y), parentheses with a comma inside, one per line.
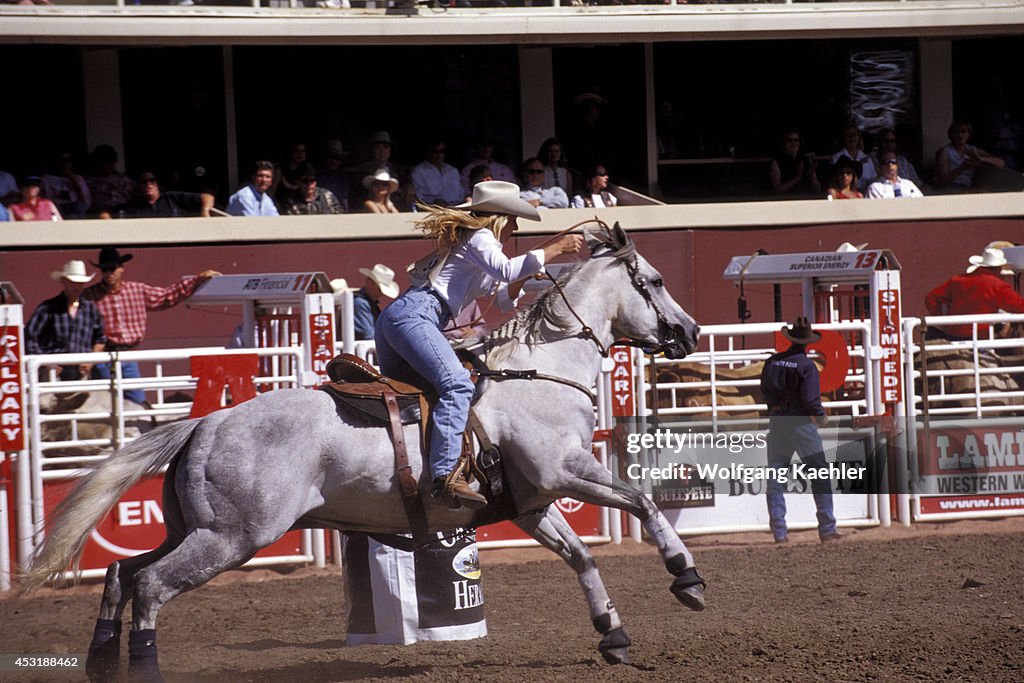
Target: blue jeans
(129,369)
(785,435)
(410,346)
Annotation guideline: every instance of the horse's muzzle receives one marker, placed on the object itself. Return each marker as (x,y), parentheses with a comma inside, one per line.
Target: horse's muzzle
(681,342)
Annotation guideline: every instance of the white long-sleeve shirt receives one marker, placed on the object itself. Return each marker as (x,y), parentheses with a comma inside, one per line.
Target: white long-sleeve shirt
(477,267)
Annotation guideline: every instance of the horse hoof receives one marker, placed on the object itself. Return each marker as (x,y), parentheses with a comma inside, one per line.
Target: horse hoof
(144,673)
(104,660)
(691,596)
(614,646)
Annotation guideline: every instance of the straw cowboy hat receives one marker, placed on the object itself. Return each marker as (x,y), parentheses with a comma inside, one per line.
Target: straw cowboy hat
(849,247)
(385,279)
(800,332)
(498,196)
(380,175)
(990,258)
(110,258)
(73,271)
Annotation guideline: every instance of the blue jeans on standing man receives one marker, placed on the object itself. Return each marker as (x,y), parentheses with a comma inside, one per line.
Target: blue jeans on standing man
(785,435)
(410,343)
(129,370)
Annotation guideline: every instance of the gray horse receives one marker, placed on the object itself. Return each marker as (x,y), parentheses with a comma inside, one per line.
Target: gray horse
(238,479)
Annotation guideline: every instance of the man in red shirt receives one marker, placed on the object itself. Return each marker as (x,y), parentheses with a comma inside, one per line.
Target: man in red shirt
(979,291)
(124,306)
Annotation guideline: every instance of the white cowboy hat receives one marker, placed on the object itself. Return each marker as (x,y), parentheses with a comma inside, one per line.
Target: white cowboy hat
(498,196)
(73,271)
(990,258)
(383,176)
(339,285)
(849,248)
(385,279)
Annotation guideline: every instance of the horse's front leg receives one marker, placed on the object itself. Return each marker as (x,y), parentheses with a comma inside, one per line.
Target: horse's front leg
(551,530)
(592,483)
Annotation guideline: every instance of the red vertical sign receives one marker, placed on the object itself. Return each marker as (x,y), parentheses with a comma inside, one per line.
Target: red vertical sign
(888,322)
(321,343)
(12,402)
(622,381)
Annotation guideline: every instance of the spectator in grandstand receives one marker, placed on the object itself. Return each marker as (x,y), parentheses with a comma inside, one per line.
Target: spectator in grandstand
(533,191)
(8,188)
(844,182)
(436,181)
(555,172)
(310,198)
(595,193)
(380,155)
(853,148)
(890,185)
(65,188)
(886,144)
(665,125)
(253,199)
(332,176)
(956,162)
(485,156)
(108,186)
(379,187)
(979,291)
(67,323)
(151,201)
(125,304)
(791,388)
(34,207)
(380,281)
(286,174)
(793,171)
(481,173)
(5,215)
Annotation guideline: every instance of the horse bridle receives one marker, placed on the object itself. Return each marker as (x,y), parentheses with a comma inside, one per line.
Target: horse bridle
(639,283)
(628,256)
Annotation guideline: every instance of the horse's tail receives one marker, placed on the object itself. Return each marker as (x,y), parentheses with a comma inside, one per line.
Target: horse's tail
(84,508)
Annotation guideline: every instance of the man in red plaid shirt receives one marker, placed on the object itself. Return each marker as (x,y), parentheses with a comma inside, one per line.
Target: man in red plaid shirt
(125,304)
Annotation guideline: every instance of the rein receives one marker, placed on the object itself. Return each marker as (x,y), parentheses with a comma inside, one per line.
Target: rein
(533,374)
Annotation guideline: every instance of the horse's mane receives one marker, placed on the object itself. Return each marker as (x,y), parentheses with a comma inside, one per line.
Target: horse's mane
(547,316)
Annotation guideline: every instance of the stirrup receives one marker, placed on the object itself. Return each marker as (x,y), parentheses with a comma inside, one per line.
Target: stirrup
(456,489)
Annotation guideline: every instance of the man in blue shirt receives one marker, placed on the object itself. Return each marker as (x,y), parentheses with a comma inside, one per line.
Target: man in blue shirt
(791,388)
(67,323)
(380,281)
(253,200)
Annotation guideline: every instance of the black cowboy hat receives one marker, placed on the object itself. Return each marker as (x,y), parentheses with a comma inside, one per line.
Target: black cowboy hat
(110,258)
(846,162)
(801,332)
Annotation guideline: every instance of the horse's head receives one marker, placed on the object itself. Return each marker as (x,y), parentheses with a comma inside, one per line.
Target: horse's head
(647,316)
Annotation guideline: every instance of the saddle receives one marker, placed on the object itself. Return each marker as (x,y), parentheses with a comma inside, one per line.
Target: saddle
(358,385)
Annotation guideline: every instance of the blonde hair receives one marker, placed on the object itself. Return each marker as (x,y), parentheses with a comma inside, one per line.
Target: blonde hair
(445,225)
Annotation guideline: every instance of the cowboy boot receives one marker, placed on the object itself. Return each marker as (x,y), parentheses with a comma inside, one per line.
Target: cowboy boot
(456,489)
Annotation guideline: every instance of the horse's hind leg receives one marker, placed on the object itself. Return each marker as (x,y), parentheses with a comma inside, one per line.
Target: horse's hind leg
(201,555)
(105,649)
(551,530)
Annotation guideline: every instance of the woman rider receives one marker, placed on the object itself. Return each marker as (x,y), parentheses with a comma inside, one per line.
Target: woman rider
(469,264)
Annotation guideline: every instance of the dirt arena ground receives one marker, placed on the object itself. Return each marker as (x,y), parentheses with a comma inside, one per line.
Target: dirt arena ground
(883,605)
